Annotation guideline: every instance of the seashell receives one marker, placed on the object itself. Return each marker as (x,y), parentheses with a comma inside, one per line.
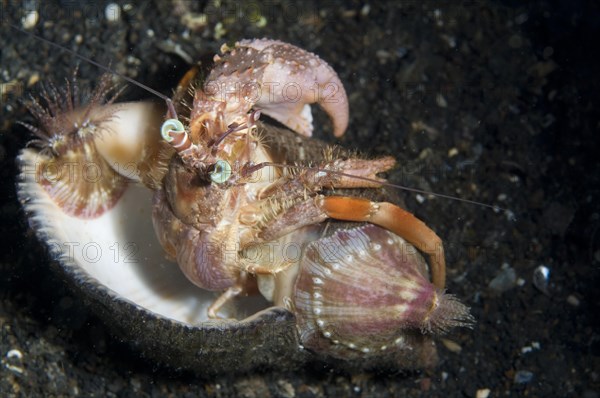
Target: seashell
(365,290)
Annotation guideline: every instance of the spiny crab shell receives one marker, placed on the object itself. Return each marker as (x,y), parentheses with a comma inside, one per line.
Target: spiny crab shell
(357,295)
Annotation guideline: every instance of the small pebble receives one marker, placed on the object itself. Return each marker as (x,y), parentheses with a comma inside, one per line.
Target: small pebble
(365,10)
(573,300)
(510,216)
(30,20)
(529,348)
(13,87)
(261,22)
(541,275)
(112,12)
(523,377)
(452,346)
(483,393)
(14,359)
(505,280)
(14,354)
(425,153)
(286,389)
(441,101)
(220,31)
(195,22)
(33,79)
(401,52)
(136,384)
(382,56)
(450,40)
(13,368)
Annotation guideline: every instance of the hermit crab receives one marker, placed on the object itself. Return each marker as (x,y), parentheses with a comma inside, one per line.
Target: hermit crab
(293,248)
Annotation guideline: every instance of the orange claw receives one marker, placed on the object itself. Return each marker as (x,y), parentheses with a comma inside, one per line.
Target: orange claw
(394,219)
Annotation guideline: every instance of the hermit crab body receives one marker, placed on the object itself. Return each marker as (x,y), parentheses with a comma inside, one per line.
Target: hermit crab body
(243,207)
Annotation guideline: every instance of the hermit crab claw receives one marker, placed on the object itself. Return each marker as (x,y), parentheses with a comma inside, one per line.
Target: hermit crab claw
(281,80)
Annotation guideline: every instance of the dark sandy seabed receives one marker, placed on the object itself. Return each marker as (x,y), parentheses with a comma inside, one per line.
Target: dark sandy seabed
(489,101)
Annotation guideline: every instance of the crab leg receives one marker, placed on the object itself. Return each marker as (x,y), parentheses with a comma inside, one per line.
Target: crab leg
(386,215)
(349,173)
(396,220)
(240,287)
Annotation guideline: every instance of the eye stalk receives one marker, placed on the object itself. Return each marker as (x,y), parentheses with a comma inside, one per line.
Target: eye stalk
(171,127)
(174,133)
(221,172)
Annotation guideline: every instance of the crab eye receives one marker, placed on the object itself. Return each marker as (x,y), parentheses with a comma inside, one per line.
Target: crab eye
(221,172)
(171,125)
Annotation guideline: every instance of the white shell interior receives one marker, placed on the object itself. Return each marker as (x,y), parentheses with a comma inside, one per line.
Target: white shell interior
(120,250)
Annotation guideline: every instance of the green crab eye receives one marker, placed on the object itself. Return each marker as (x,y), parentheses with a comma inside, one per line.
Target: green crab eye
(171,125)
(221,172)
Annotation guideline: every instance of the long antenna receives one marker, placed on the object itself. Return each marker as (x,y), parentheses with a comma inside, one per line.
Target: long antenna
(259,166)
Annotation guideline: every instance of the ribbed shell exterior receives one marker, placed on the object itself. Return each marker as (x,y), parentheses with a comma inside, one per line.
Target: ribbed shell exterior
(355,290)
